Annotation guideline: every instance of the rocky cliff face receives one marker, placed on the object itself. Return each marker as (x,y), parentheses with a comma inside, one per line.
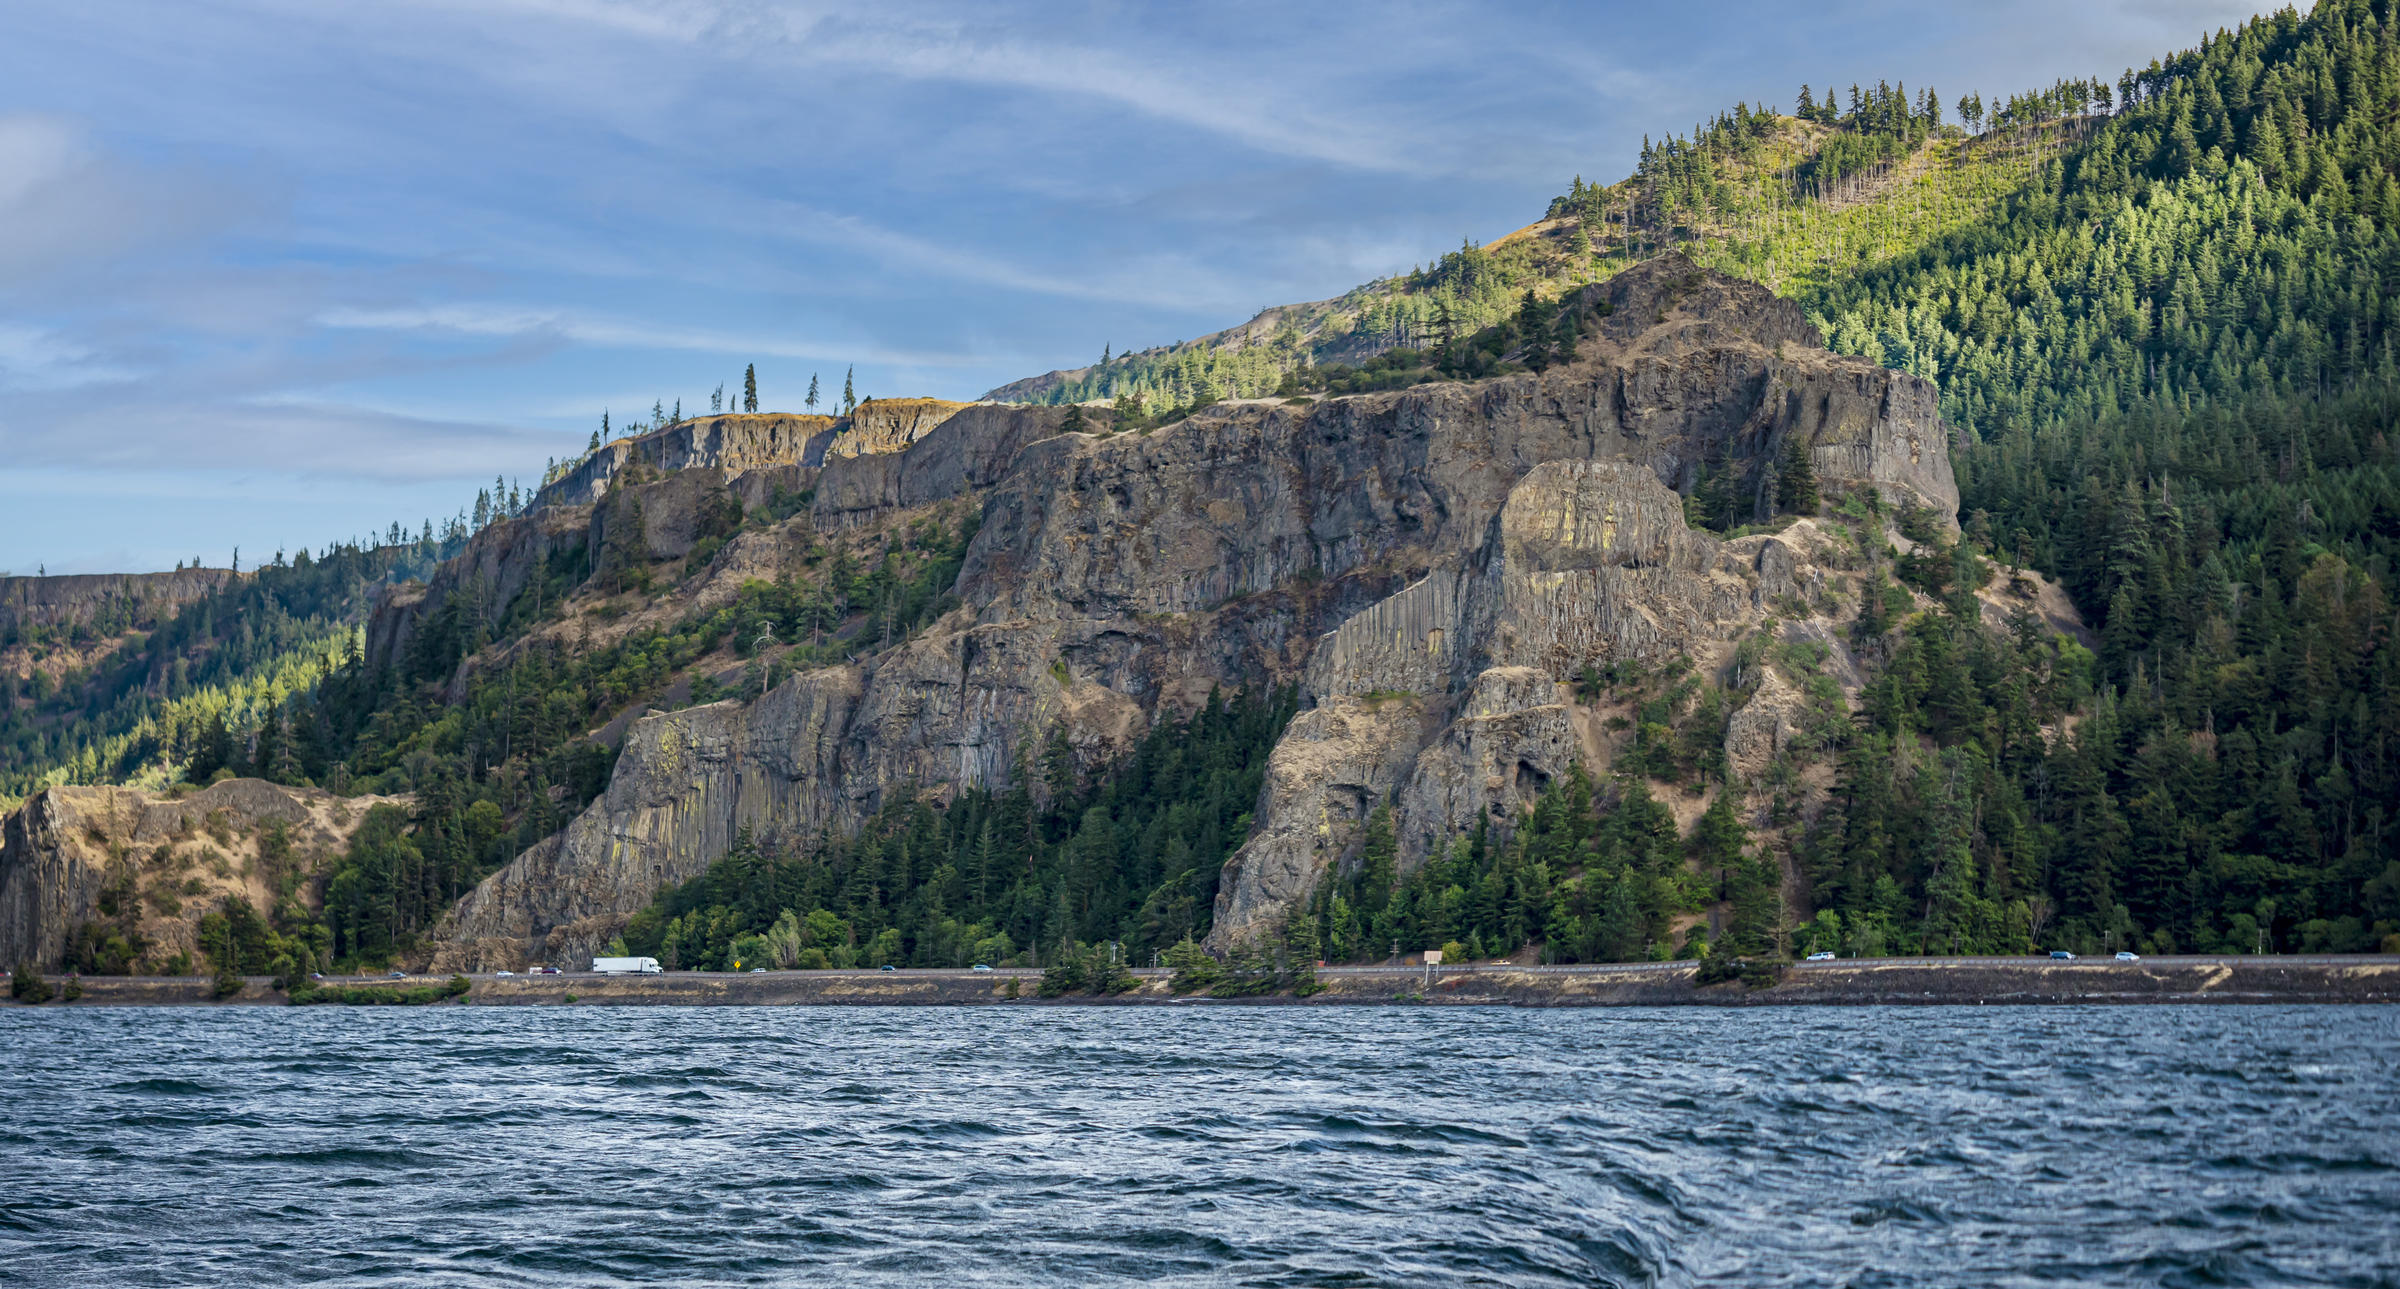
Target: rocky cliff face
(1433,565)
(752,444)
(734,442)
(154,865)
(64,601)
(887,425)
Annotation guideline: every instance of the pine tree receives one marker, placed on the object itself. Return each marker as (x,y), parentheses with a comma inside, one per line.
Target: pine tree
(811,400)
(849,396)
(750,388)
(1796,480)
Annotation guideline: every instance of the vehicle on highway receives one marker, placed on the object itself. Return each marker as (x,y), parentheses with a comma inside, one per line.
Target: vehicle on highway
(2128,955)
(758,971)
(497,974)
(889,967)
(399,975)
(979,967)
(545,971)
(627,966)
(316,975)
(2062,955)
(1821,955)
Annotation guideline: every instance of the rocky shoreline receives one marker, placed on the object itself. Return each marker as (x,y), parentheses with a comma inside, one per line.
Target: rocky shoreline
(1903,982)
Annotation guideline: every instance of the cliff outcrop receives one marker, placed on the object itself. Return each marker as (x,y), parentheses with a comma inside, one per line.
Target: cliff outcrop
(153,866)
(756,445)
(1435,567)
(128,599)
(886,425)
(735,442)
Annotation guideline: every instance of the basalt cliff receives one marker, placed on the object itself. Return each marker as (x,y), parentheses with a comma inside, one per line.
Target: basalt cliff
(1434,568)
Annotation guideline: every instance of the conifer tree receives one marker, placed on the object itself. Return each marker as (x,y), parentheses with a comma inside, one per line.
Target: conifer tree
(750,388)
(811,400)
(849,394)
(1796,480)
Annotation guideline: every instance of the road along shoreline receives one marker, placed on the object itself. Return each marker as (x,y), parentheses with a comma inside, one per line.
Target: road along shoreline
(1863,982)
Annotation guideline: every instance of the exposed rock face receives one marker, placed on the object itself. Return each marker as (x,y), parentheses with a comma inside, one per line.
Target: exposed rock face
(687,784)
(734,442)
(498,564)
(1591,563)
(171,860)
(1433,565)
(69,599)
(748,458)
(964,454)
(887,425)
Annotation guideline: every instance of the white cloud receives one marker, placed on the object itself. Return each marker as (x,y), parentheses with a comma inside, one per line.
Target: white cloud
(61,206)
(35,359)
(511,321)
(1255,111)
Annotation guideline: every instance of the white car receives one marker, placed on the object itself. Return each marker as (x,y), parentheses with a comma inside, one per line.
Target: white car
(498,974)
(979,967)
(1821,955)
(2128,955)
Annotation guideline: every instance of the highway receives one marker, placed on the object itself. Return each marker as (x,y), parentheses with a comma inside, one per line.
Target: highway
(1578,969)
(1415,972)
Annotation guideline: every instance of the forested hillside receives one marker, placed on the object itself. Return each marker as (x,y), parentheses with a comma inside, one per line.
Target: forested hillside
(2177,352)
(2162,311)
(137,699)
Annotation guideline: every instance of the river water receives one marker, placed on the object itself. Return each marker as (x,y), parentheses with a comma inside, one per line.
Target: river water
(1200,1146)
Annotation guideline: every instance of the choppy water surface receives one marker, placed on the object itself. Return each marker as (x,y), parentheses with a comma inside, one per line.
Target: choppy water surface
(1269,1146)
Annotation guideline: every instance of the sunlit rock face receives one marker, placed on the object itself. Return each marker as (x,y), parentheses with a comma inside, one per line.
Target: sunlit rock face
(1434,567)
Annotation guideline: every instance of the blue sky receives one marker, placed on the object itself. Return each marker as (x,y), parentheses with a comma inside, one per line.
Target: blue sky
(279,272)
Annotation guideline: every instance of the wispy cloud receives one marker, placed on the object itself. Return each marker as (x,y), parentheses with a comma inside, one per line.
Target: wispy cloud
(35,359)
(512,322)
(63,207)
(1277,118)
(415,242)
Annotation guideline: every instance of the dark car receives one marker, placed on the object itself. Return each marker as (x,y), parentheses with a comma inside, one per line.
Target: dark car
(2062,955)
(889,967)
(399,975)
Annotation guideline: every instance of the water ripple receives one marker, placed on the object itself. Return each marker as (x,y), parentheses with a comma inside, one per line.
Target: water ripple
(1284,1146)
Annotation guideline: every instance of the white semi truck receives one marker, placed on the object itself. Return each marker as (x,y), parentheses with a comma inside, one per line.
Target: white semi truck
(626,966)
